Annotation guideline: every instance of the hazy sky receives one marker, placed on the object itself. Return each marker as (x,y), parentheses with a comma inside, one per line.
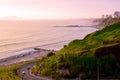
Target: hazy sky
(58,9)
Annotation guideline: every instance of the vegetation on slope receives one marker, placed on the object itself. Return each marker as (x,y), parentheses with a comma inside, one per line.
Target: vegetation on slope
(79,58)
(106,36)
(10,72)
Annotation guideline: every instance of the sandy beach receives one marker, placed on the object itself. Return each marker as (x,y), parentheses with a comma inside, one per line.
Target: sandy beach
(24,57)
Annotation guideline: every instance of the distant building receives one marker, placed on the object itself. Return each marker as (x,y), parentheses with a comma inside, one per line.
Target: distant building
(117,14)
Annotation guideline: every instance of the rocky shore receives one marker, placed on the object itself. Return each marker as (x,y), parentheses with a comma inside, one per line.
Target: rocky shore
(25,56)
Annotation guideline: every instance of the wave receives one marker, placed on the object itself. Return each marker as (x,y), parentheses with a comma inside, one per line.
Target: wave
(14,43)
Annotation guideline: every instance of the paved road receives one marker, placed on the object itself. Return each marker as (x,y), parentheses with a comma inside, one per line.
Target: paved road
(25,71)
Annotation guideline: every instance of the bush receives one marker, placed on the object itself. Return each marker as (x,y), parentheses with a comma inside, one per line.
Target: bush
(10,72)
(50,54)
(35,69)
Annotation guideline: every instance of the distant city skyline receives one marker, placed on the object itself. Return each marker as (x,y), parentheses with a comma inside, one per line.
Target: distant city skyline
(57,9)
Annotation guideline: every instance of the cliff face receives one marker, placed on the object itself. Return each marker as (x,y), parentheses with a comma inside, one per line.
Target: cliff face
(100,48)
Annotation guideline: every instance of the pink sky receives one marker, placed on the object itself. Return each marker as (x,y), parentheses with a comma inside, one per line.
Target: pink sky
(57,9)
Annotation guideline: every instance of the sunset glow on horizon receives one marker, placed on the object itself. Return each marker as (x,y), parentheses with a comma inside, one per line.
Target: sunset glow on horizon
(57,9)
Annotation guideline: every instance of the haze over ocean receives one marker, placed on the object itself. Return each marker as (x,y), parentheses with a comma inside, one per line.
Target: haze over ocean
(19,35)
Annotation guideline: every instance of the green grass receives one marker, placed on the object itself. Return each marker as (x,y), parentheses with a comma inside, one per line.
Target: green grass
(79,57)
(10,72)
(108,35)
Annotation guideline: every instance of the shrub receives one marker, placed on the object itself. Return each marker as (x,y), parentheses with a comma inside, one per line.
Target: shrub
(50,54)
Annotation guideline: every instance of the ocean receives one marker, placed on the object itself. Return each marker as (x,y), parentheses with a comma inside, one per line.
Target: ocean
(17,36)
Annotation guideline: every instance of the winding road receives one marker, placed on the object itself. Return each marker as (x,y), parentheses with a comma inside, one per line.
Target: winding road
(25,73)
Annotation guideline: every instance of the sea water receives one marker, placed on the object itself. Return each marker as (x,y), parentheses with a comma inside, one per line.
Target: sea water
(23,35)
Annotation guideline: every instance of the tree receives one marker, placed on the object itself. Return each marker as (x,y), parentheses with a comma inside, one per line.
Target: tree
(117,14)
(103,16)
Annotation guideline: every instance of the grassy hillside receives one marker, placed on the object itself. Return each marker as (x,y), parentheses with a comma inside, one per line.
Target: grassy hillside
(106,36)
(78,58)
(10,72)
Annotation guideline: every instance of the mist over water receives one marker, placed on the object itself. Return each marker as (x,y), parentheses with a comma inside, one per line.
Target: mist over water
(19,35)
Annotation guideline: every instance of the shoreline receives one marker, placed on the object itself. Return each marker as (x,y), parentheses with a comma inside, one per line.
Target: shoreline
(28,53)
(25,56)
(49,46)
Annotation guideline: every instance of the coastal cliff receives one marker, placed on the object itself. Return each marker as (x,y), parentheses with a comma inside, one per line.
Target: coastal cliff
(108,21)
(96,56)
